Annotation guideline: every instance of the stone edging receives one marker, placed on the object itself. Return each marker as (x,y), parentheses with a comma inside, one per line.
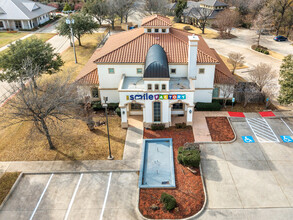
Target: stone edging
(11,190)
(191,217)
(222,142)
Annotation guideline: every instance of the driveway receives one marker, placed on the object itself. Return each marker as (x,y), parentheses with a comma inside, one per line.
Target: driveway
(250,180)
(104,195)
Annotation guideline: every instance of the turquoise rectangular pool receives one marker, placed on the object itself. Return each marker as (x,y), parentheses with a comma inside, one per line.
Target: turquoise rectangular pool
(157,164)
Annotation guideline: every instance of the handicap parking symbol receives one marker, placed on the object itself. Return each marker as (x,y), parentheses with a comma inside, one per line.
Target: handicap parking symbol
(248,139)
(287,139)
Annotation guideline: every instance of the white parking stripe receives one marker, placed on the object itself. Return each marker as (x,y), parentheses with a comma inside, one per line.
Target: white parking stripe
(106,196)
(262,130)
(73,197)
(287,125)
(42,195)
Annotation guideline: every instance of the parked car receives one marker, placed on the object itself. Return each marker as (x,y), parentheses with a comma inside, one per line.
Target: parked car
(263,32)
(280,38)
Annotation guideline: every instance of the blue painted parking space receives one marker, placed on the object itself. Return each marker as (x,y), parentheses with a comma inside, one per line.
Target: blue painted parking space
(248,139)
(287,139)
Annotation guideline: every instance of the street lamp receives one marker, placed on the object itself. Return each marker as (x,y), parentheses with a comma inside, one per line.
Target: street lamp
(110,157)
(70,22)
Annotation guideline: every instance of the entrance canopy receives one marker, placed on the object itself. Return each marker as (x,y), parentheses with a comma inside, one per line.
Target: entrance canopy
(156,63)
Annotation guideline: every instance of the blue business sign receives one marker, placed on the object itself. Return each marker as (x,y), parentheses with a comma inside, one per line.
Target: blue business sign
(248,139)
(287,139)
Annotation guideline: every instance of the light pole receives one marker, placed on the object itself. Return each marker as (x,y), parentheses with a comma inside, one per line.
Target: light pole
(70,22)
(110,157)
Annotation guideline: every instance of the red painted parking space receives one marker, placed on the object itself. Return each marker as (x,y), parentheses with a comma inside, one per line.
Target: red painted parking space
(236,114)
(267,114)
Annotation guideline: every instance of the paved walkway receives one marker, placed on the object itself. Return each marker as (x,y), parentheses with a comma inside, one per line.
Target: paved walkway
(200,128)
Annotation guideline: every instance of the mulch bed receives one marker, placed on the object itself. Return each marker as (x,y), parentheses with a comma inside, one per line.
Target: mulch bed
(220,129)
(188,193)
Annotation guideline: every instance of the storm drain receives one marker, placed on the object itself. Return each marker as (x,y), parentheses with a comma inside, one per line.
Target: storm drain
(262,130)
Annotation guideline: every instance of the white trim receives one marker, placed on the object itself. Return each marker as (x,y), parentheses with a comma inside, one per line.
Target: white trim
(287,125)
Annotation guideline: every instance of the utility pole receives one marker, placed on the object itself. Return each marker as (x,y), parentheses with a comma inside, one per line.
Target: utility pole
(110,157)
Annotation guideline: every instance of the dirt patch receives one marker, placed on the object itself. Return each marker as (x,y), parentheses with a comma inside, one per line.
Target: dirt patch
(220,129)
(6,183)
(188,193)
(251,107)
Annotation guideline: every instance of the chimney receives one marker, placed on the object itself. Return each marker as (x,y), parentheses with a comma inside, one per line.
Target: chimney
(192,56)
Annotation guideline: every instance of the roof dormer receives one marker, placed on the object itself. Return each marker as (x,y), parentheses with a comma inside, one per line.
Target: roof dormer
(156,24)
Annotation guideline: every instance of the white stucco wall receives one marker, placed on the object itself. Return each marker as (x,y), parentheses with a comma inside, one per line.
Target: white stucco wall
(205,80)
(203,96)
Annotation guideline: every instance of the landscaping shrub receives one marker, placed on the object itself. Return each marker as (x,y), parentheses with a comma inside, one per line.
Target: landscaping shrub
(118,111)
(189,157)
(169,201)
(181,125)
(187,28)
(260,49)
(214,106)
(113,106)
(97,106)
(156,127)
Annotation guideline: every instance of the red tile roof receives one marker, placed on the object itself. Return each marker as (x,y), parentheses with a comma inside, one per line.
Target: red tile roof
(222,74)
(156,21)
(132,47)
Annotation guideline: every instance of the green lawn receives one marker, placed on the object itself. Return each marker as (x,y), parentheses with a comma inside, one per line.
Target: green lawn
(7,38)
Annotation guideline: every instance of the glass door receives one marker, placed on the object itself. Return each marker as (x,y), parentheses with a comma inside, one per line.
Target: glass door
(157,112)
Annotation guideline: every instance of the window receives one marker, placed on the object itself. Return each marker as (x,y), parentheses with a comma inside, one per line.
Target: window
(163,87)
(1,24)
(149,86)
(164,30)
(178,106)
(135,106)
(216,93)
(139,70)
(111,70)
(173,71)
(149,30)
(95,93)
(157,111)
(156,86)
(201,70)
(157,30)
(18,25)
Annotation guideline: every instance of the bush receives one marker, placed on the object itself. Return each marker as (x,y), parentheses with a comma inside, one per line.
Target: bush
(214,106)
(188,157)
(260,49)
(97,106)
(118,111)
(113,106)
(156,127)
(181,125)
(169,201)
(187,28)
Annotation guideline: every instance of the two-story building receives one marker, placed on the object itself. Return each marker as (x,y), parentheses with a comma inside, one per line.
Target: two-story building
(155,71)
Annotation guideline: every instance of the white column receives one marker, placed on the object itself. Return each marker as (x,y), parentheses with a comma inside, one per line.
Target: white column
(124,120)
(189,115)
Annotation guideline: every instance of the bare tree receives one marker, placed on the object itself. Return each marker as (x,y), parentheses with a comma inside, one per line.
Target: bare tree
(51,102)
(111,12)
(226,92)
(263,21)
(225,21)
(235,59)
(124,7)
(156,7)
(201,16)
(262,74)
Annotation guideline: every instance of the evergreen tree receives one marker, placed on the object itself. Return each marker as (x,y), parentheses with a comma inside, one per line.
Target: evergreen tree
(180,6)
(286,81)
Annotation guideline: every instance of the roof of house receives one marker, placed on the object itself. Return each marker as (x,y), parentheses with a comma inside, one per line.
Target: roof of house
(132,47)
(156,63)
(214,3)
(156,21)
(22,9)
(222,74)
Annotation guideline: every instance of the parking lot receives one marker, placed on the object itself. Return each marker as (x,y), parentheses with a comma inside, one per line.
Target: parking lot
(108,195)
(255,175)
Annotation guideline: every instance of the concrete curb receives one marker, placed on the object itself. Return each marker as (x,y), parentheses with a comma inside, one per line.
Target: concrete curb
(264,54)
(191,217)
(222,142)
(11,190)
